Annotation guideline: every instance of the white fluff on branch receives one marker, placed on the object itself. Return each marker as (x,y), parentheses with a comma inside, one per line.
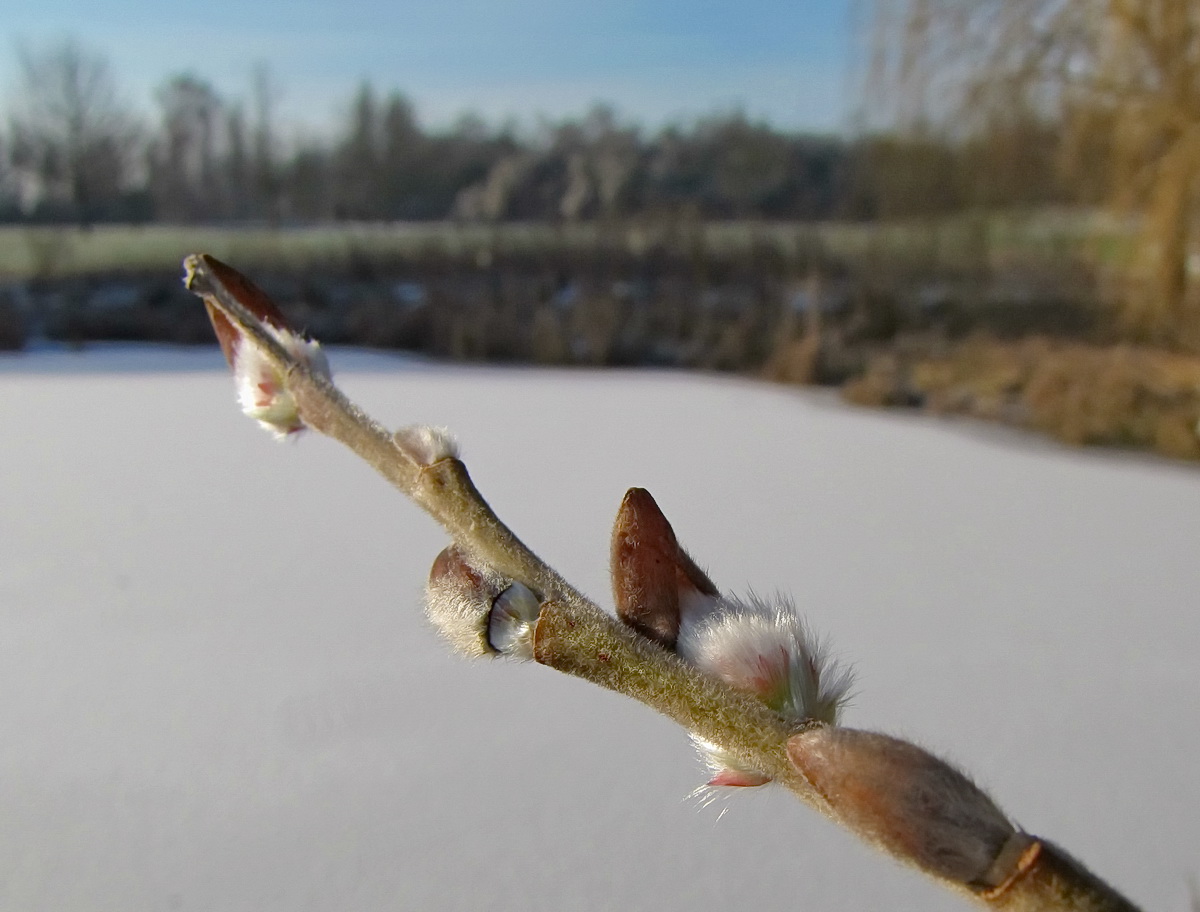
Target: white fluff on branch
(261,391)
(763,647)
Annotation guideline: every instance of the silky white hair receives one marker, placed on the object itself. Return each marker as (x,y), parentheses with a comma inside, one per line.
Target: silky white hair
(766,648)
(262,392)
(426,444)
(482,614)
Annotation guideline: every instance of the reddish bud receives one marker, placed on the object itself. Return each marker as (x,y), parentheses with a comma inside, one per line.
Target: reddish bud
(652,575)
(905,800)
(477,610)
(240,288)
(227,333)
(725,768)
(262,389)
(451,567)
(458,598)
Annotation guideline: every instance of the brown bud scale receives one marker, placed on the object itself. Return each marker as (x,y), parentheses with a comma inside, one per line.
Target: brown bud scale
(905,800)
(650,571)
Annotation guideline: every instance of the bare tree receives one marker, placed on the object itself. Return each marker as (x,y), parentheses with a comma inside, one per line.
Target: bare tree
(1121,78)
(71,133)
(237,170)
(264,159)
(357,158)
(8,186)
(183,160)
(749,162)
(614,153)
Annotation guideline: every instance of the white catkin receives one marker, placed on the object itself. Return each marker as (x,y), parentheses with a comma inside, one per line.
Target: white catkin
(426,444)
(261,391)
(460,616)
(766,648)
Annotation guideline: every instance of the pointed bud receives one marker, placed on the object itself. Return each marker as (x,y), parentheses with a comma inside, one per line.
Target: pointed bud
(477,610)
(261,388)
(905,800)
(652,576)
(240,288)
(765,648)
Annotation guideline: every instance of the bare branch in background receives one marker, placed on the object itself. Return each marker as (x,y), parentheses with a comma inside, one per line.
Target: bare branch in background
(1119,81)
(72,135)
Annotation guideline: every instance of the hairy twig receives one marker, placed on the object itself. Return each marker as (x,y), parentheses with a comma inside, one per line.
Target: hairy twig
(745,678)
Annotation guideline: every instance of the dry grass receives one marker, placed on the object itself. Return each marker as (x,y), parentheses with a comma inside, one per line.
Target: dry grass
(795,360)
(1119,395)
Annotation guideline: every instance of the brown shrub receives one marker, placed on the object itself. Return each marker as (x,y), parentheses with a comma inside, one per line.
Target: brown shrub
(1116,395)
(1085,396)
(12,326)
(977,376)
(795,361)
(547,342)
(880,385)
(1175,434)
(595,326)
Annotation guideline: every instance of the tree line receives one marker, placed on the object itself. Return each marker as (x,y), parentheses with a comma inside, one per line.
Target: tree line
(71,151)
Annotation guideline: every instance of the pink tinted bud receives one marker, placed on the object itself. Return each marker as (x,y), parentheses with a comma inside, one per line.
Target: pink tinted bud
(905,800)
(765,647)
(262,391)
(738,778)
(261,388)
(725,768)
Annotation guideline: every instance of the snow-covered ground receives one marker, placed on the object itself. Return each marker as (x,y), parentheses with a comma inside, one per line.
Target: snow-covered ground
(217,691)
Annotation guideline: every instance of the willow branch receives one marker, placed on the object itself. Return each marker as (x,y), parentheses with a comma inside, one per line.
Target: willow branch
(437,482)
(888,792)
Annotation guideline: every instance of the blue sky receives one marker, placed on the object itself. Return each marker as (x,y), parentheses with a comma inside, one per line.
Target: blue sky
(787,62)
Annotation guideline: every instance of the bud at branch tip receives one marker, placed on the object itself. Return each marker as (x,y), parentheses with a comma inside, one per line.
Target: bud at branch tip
(260,380)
